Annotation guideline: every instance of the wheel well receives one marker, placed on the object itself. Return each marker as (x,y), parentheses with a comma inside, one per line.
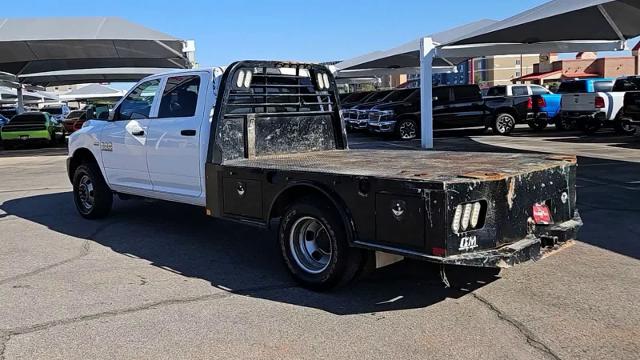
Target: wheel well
(296,192)
(80,157)
(505,110)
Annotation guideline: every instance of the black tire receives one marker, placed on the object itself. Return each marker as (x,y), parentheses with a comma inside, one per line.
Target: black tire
(503,124)
(317,270)
(624,127)
(591,127)
(564,124)
(88,182)
(537,125)
(406,129)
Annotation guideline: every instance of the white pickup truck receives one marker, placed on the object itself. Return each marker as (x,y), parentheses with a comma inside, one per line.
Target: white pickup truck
(591,109)
(262,142)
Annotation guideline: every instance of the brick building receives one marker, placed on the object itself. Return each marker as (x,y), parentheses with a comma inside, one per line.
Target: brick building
(551,70)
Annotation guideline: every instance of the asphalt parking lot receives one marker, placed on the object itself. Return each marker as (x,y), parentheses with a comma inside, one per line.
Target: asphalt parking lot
(161,280)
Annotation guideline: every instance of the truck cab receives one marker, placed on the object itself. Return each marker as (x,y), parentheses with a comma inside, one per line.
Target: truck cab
(263,142)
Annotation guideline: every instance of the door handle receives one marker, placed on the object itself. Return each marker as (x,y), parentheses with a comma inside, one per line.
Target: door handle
(188,132)
(138,133)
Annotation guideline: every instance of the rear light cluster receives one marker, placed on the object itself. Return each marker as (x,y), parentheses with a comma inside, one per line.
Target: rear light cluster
(599,102)
(469,216)
(539,101)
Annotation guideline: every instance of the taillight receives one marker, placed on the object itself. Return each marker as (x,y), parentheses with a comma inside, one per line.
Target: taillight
(599,102)
(469,216)
(540,102)
(530,104)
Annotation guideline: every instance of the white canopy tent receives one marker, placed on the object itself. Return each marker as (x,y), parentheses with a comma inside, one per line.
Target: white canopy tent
(40,45)
(92,91)
(557,26)
(85,76)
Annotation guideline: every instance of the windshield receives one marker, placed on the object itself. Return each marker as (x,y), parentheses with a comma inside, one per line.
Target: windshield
(356,97)
(572,87)
(398,95)
(378,96)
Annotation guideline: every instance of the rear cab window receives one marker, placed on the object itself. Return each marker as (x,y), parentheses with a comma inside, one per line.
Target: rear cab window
(573,87)
(520,91)
(180,97)
(628,84)
(497,91)
(442,95)
(602,86)
(539,90)
(466,93)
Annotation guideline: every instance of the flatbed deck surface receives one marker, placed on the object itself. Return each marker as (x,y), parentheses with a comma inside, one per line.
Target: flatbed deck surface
(415,165)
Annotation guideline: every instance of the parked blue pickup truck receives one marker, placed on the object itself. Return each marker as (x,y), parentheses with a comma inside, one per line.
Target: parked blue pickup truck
(544,103)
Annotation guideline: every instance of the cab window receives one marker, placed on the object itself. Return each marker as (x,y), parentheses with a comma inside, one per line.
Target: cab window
(520,91)
(137,105)
(180,97)
(538,90)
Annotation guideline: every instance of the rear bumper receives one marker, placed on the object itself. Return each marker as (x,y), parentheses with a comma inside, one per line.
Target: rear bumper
(521,251)
(584,115)
(538,117)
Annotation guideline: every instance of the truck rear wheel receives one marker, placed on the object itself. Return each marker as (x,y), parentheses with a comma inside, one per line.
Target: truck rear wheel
(537,125)
(314,246)
(624,127)
(92,196)
(563,123)
(504,124)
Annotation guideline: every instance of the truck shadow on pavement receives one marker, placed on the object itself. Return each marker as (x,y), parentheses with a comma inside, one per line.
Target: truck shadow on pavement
(237,258)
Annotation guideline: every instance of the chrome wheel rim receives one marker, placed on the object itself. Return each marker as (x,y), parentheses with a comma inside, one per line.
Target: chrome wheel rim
(407,130)
(504,124)
(86,193)
(310,245)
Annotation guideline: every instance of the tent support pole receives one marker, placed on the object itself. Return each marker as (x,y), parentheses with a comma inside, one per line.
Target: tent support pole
(20,98)
(427,53)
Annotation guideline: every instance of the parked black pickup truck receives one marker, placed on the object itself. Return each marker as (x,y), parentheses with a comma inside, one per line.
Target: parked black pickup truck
(631,106)
(459,106)
(357,117)
(264,144)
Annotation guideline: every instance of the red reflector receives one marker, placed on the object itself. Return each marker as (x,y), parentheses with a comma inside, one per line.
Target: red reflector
(541,214)
(599,102)
(438,251)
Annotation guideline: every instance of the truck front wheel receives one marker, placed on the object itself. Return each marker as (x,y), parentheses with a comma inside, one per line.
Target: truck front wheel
(92,196)
(314,246)
(406,129)
(504,124)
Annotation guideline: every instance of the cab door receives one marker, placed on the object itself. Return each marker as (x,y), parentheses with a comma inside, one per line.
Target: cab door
(123,139)
(173,143)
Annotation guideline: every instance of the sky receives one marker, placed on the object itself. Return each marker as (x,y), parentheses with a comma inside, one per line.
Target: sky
(302,30)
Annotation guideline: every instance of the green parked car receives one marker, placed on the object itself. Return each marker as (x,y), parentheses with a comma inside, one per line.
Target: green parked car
(30,127)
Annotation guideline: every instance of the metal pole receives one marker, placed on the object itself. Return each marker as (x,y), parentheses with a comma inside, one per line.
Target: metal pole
(20,96)
(427,53)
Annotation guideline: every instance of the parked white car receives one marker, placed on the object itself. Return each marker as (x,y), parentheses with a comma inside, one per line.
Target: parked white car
(590,111)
